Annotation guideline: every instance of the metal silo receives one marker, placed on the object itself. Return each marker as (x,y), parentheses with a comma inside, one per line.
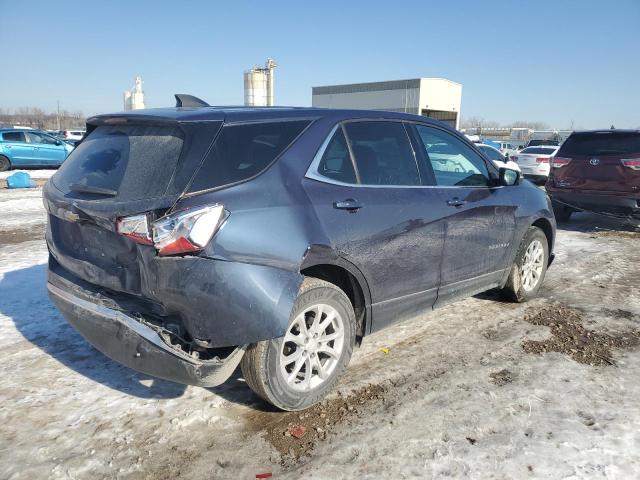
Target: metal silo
(258,85)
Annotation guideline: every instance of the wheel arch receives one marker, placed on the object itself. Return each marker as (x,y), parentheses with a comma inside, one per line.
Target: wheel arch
(323,263)
(546,227)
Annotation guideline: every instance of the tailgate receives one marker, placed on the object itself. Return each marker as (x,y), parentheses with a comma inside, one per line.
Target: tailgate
(119,170)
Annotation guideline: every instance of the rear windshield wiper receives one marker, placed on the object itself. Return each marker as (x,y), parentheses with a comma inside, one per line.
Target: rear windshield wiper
(78,187)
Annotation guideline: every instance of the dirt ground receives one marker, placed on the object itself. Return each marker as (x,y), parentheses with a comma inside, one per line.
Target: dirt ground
(478,389)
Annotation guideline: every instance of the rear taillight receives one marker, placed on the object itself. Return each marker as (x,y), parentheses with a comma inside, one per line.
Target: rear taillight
(185,231)
(632,163)
(135,227)
(559,162)
(542,159)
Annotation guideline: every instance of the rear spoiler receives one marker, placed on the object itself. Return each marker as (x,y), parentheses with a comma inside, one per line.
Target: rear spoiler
(184,100)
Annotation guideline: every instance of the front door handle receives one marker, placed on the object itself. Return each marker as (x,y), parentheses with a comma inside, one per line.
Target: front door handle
(456,202)
(349,204)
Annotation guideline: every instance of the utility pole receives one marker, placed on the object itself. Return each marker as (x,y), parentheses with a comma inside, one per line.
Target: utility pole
(58,116)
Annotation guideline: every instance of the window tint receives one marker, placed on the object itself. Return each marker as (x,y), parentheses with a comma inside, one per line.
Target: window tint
(382,153)
(244,150)
(336,162)
(600,143)
(454,163)
(137,161)
(539,150)
(14,137)
(33,137)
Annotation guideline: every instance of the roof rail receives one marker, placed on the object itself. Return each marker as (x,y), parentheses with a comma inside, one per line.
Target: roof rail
(184,100)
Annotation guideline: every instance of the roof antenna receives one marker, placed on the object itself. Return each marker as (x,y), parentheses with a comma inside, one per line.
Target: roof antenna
(184,100)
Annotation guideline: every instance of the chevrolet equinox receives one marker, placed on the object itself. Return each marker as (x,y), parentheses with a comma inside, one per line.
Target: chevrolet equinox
(187,241)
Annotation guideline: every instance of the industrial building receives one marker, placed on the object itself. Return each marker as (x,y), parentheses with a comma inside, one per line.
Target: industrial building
(437,98)
(259,85)
(134,98)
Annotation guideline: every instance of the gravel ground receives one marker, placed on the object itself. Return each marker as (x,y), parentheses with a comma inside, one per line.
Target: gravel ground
(478,389)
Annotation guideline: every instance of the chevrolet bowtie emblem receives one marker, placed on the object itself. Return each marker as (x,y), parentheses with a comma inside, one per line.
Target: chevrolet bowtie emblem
(70,216)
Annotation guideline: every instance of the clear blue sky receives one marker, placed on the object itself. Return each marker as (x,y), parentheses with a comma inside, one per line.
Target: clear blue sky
(556,61)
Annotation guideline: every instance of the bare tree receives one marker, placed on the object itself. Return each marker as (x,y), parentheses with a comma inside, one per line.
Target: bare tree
(35,117)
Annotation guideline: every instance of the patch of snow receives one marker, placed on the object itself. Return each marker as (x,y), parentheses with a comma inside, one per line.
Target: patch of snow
(21,208)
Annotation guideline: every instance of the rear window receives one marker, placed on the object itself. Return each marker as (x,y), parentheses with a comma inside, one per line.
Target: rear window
(136,161)
(244,150)
(600,143)
(538,150)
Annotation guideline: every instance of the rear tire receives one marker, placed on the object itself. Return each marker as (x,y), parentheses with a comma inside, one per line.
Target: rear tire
(529,267)
(298,370)
(5,164)
(562,212)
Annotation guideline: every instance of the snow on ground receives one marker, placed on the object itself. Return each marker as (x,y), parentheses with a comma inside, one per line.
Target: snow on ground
(66,411)
(35,174)
(21,208)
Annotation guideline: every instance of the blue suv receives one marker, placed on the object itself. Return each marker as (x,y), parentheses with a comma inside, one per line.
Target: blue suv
(31,148)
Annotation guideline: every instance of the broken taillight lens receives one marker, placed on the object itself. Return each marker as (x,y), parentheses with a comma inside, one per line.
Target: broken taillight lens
(187,231)
(558,162)
(135,227)
(632,163)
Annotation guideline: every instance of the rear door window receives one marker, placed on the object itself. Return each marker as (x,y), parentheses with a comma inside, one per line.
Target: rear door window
(336,162)
(382,153)
(14,137)
(454,163)
(600,143)
(136,161)
(242,151)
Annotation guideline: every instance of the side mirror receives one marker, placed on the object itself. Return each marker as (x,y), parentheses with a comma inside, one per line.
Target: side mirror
(509,177)
(58,142)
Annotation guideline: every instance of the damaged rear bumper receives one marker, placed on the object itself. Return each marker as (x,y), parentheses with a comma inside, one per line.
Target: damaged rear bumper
(127,340)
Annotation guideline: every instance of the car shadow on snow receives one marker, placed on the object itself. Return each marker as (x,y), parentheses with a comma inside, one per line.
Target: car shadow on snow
(586,222)
(24,299)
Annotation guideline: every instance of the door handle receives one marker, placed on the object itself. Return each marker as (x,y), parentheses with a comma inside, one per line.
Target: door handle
(349,204)
(456,202)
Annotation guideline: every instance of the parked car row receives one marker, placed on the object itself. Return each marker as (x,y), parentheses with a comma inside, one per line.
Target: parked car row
(31,148)
(596,170)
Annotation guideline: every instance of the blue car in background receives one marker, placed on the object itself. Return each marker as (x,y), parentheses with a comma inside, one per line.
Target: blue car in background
(31,148)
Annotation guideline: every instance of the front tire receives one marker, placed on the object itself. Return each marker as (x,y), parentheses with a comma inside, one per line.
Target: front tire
(298,370)
(529,267)
(5,164)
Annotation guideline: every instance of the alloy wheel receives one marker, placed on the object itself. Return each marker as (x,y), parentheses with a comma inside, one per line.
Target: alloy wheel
(532,265)
(312,347)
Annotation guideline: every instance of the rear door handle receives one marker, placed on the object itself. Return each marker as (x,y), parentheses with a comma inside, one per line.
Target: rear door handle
(349,204)
(456,202)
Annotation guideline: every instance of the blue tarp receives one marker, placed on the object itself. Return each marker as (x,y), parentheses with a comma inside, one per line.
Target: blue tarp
(491,143)
(20,180)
